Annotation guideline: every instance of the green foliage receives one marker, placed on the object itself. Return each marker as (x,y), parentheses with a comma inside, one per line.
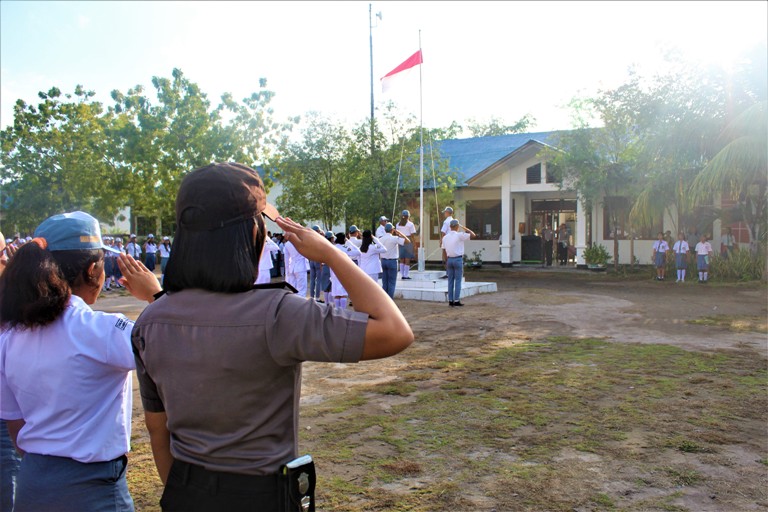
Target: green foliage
(70,153)
(596,254)
(496,126)
(739,266)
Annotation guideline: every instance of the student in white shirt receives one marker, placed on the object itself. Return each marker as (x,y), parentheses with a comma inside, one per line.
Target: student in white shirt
(703,254)
(391,240)
(165,253)
(296,267)
(338,292)
(660,248)
(354,236)
(265,261)
(380,229)
(65,370)
(407,228)
(370,251)
(150,248)
(681,256)
(132,248)
(453,245)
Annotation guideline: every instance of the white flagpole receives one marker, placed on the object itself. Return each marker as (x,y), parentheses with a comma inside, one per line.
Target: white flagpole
(422,263)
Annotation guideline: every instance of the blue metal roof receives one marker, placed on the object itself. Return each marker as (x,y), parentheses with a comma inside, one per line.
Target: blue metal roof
(469,157)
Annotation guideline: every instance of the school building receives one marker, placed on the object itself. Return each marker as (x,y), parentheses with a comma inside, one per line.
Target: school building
(506,195)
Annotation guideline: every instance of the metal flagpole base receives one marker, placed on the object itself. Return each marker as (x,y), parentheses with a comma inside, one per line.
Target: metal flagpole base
(422,263)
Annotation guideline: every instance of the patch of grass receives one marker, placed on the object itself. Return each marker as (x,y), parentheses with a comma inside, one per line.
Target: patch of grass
(683,477)
(602,500)
(397,388)
(733,322)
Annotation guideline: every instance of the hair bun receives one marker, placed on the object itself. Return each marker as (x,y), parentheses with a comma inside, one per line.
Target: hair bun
(41,242)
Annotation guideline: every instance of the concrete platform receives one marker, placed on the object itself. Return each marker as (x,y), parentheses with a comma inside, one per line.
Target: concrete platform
(429,286)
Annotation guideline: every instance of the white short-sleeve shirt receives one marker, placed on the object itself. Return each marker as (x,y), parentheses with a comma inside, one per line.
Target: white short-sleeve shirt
(446,225)
(408,230)
(70,382)
(453,243)
(681,246)
(391,243)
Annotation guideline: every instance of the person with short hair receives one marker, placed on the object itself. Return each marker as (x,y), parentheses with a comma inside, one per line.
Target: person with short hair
(132,248)
(681,256)
(354,236)
(65,370)
(703,254)
(407,228)
(659,256)
(391,240)
(219,360)
(444,230)
(380,229)
(453,244)
(150,250)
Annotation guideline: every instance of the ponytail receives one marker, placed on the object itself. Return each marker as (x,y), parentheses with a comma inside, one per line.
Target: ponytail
(37,284)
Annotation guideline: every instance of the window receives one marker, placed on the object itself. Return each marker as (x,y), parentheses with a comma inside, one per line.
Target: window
(533,174)
(616,220)
(484,218)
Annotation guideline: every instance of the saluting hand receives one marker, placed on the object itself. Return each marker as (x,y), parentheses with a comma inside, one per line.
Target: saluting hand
(138,279)
(310,244)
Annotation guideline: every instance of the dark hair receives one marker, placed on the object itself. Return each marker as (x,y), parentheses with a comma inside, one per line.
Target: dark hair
(222,260)
(367,240)
(341,238)
(37,284)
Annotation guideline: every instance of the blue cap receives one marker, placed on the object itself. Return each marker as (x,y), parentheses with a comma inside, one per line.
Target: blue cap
(75,231)
(353,229)
(448,209)
(454,223)
(389,227)
(316,228)
(406,213)
(329,234)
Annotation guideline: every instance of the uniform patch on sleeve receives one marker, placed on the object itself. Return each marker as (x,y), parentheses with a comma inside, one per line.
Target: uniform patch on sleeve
(122,323)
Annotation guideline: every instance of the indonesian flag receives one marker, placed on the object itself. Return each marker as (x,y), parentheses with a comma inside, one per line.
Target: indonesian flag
(388,79)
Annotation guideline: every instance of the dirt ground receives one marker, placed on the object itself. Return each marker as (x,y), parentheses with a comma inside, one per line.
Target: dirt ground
(535,305)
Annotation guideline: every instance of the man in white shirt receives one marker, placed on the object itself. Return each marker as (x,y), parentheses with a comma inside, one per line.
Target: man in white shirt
(391,240)
(407,228)
(453,245)
(355,237)
(380,230)
(132,248)
(448,215)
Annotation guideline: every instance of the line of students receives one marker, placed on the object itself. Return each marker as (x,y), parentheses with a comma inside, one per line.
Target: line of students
(681,249)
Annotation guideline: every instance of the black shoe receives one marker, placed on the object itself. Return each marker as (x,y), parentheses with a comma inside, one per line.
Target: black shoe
(457,303)
(406,278)
(445,276)
(451,304)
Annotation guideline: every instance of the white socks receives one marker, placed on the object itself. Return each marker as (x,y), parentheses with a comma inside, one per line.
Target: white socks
(340,302)
(682,277)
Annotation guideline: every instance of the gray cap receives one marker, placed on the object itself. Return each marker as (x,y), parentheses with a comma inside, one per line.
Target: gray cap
(448,209)
(382,218)
(353,229)
(329,235)
(454,223)
(389,227)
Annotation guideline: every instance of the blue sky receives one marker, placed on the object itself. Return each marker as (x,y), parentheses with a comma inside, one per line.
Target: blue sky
(481,59)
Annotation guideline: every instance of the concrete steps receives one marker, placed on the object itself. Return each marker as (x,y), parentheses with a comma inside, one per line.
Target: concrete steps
(429,286)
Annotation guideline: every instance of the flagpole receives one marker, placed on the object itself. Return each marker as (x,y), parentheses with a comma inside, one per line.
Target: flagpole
(422,263)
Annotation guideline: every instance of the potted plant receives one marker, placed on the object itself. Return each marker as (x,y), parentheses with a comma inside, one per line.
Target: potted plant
(596,256)
(476,261)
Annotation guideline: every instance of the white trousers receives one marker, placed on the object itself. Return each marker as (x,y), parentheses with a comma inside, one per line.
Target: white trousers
(298,281)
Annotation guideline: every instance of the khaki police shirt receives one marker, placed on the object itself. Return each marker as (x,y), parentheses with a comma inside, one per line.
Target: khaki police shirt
(226,369)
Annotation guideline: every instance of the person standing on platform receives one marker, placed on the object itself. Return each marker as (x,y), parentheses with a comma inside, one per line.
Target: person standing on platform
(382,223)
(407,228)
(391,240)
(447,218)
(370,255)
(453,245)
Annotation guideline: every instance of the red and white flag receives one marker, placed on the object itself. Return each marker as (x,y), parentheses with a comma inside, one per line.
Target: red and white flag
(388,79)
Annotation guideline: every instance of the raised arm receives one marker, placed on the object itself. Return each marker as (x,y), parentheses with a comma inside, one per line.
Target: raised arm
(388,331)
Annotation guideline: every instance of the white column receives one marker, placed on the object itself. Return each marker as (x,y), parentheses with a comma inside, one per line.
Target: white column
(506,221)
(581,232)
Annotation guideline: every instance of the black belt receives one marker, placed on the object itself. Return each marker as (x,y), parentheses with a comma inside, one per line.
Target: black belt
(198,476)
(391,259)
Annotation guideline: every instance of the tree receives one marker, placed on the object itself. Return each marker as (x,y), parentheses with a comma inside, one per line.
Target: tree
(58,156)
(496,126)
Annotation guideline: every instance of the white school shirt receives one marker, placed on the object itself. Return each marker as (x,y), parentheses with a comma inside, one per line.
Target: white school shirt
(70,381)
(390,243)
(151,248)
(357,242)
(703,248)
(295,263)
(446,225)
(133,249)
(453,243)
(408,230)
(380,231)
(370,261)
(681,246)
(337,289)
(660,246)
(164,252)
